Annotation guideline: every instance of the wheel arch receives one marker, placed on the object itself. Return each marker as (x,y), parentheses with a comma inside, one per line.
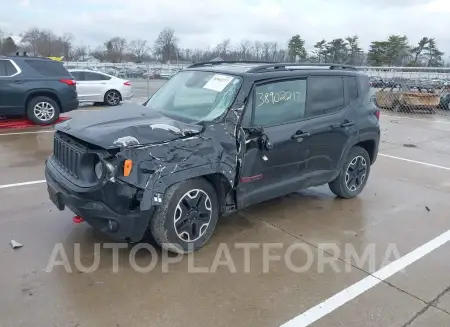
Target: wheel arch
(46,93)
(222,180)
(370,146)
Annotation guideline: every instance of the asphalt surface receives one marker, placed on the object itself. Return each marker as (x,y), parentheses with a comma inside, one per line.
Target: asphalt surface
(405,206)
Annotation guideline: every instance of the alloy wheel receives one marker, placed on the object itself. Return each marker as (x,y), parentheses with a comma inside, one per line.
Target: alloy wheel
(356,173)
(192,215)
(44,111)
(113,98)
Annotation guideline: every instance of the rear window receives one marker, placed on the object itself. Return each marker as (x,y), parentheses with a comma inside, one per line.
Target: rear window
(7,68)
(48,67)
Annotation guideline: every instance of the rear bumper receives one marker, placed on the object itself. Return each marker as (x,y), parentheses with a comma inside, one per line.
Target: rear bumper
(70,105)
(127,96)
(129,226)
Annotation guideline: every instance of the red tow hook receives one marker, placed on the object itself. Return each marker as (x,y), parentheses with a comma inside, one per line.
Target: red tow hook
(77,219)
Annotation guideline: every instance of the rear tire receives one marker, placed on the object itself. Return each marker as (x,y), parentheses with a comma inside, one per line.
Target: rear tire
(353,175)
(42,110)
(187,217)
(112,98)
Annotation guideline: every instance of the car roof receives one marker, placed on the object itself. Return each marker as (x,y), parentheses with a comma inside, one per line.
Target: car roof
(264,69)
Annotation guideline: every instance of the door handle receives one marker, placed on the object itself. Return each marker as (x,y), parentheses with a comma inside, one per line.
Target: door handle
(18,82)
(299,135)
(347,123)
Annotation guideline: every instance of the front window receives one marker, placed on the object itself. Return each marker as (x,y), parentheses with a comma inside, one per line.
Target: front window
(196,96)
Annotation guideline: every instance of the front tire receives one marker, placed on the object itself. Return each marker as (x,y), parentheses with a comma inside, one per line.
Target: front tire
(187,218)
(112,98)
(354,174)
(42,110)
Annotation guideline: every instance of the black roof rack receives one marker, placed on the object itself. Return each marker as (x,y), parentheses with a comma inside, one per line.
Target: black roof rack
(220,62)
(25,54)
(286,66)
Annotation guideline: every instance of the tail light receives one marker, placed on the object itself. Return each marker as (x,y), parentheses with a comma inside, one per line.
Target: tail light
(127,83)
(70,82)
(377,114)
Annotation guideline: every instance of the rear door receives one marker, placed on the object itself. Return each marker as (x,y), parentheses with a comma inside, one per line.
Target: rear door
(330,124)
(12,89)
(94,86)
(82,89)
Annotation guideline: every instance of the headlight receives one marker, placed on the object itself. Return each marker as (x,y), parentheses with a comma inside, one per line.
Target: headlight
(98,169)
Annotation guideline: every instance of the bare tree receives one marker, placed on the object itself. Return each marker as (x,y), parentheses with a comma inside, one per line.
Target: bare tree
(166,45)
(266,50)
(244,49)
(258,49)
(138,49)
(273,51)
(115,49)
(33,37)
(223,48)
(46,43)
(99,53)
(66,44)
(80,52)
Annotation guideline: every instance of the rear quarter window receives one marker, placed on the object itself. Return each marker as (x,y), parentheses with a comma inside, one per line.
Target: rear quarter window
(351,89)
(48,68)
(7,68)
(325,95)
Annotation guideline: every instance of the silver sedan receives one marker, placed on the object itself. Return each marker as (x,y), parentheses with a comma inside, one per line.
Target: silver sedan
(98,87)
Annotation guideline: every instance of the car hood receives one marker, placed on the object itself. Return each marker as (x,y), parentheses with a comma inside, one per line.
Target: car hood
(125,126)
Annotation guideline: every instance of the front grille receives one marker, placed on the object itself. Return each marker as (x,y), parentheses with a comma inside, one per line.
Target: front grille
(67,155)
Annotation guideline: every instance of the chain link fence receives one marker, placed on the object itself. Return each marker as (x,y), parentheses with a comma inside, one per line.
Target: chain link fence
(410,91)
(415,103)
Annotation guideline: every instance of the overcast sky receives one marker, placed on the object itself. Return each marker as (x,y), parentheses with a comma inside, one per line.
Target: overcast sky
(202,23)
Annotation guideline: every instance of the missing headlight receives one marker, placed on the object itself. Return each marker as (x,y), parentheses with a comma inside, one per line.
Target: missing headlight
(99,169)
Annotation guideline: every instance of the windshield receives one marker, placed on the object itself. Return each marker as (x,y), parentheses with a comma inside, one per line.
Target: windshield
(196,96)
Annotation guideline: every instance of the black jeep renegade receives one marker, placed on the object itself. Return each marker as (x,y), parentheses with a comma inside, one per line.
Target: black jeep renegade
(217,137)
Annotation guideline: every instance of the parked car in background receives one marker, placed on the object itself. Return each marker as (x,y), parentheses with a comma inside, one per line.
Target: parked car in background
(376,82)
(444,102)
(99,87)
(166,73)
(38,88)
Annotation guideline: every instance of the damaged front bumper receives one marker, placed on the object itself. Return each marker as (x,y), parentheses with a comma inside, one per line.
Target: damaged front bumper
(113,208)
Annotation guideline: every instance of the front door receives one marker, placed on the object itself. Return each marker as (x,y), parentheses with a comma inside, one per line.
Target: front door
(274,153)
